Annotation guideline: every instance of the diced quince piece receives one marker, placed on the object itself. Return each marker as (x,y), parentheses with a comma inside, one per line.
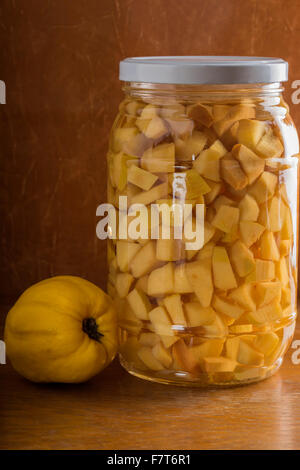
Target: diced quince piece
(284,247)
(123,284)
(197,315)
(268,292)
(282,272)
(226,218)
(249,355)
(269,146)
(243,296)
(162,355)
(201,114)
(264,271)
(268,247)
(146,355)
(207,164)
(235,113)
(142,284)
(233,174)
(250,232)
(264,187)
(266,314)
(220,111)
(147,197)
(169,249)
(184,357)
(121,136)
(249,209)
(224,277)
(174,307)
(139,303)
(156,129)
(232,347)
(252,165)
(149,111)
(181,282)
(195,185)
(149,339)
(191,147)
(250,131)
(161,322)
(223,201)
(129,351)
(215,189)
(168,341)
(242,258)
(287,224)
(266,342)
(200,278)
(144,261)
(125,253)
(159,159)
(227,308)
(141,178)
(240,329)
(218,364)
(216,329)
(211,347)
(229,138)
(161,281)
(286,297)
(119,169)
(180,127)
(128,320)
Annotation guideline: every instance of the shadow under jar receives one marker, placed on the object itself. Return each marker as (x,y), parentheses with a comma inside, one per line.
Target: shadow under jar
(212,132)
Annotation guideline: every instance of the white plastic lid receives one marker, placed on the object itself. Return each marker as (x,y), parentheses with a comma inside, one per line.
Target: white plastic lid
(203,70)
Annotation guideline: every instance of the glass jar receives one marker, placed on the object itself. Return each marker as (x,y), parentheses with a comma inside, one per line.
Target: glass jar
(213,133)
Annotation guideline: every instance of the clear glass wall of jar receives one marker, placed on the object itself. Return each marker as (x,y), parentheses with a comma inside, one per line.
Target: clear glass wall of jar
(223,314)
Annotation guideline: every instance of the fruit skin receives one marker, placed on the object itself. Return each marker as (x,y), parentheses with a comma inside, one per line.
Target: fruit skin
(44,334)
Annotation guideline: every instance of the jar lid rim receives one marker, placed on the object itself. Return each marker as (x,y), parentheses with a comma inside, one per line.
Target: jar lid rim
(203,69)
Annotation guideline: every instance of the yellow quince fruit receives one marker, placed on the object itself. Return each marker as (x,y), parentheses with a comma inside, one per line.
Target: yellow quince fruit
(62,329)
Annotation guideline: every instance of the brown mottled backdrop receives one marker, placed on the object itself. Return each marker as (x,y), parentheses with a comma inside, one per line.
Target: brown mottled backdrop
(59,59)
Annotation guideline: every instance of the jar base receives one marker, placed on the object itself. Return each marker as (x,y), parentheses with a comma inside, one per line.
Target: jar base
(217,380)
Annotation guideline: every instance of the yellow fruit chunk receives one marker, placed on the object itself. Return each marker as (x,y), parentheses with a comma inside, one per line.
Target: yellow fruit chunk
(161,322)
(240,329)
(235,113)
(264,187)
(266,342)
(267,314)
(161,281)
(156,129)
(197,315)
(125,253)
(250,232)
(139,304)
(222,201)
(159,159)
(215,189)
(181,282)
(287,224)
(268,247)
(227,308)
(169,250)
(249,209)
(264,271)
(168,341)
(180,127)
(218,364)
(286,297)
(224,277)
(282,272)
(242,258)
(229,137)
(201,114)
(121,136)
(243,295)
(269,146)
(119,169)
(123,284)
(191,147)
(141,178)
(267,292)
(233,174)
(216,329)
(252,165)
(142,284)
(285,247)
(184,357)
(149,339)
(129,351)
(195,185)
(207,164)
(249,355)
(200,278)
(144,261)
(249,132)
(220,111)
(211,347)
(162,355)
(272,214)
(146,355)
(174,307)
(226,218)
(147,197)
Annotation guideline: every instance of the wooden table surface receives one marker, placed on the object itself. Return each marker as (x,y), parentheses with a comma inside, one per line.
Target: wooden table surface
(118,411)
